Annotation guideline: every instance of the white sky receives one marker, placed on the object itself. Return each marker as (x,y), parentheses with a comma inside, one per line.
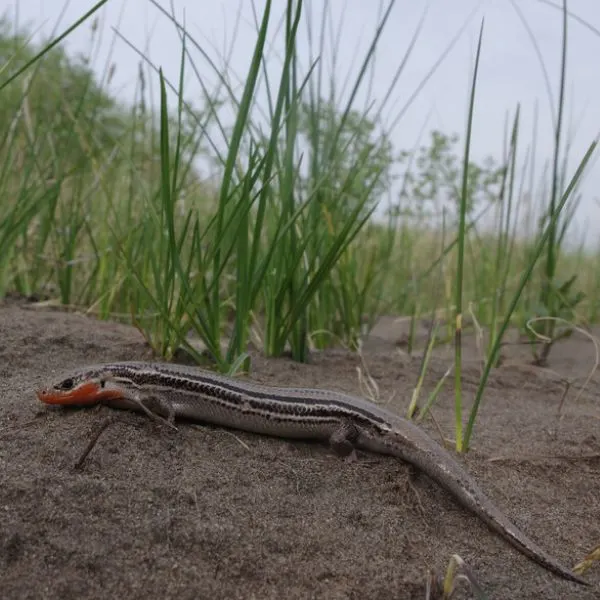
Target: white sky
(510,71)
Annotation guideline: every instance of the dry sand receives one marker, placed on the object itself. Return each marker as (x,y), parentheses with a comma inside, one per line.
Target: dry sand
(208,513)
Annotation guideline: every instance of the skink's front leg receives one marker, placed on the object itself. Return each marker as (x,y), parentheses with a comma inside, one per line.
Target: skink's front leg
(156,407)
(152,404)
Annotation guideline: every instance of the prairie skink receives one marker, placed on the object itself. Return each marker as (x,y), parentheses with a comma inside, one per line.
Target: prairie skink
(346,422)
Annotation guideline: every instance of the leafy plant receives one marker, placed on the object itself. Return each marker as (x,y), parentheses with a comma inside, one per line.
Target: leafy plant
(432,181)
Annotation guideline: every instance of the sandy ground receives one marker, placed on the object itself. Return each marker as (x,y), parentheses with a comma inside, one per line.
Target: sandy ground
(208,513)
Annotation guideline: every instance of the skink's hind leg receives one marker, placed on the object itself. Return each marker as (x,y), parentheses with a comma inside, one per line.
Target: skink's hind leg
(342,441)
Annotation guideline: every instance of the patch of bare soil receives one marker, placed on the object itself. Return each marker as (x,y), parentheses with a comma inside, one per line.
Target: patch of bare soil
(207,513)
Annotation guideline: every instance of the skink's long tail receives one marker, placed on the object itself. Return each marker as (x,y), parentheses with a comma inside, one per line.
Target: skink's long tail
(430,458)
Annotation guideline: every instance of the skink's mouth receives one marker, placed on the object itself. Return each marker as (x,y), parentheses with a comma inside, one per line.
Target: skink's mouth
(84,394)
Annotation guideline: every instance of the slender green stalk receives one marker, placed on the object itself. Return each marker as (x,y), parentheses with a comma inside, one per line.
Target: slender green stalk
(504,223)
(460,257)
(539,247)
(547,297)
(48,47)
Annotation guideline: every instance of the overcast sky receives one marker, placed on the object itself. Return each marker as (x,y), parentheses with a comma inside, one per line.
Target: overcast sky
(510,70)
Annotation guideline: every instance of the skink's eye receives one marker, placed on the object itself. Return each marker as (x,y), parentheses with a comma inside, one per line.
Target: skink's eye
(67,384)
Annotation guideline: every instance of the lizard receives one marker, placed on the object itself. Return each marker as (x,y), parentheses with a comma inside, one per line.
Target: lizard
(346,422)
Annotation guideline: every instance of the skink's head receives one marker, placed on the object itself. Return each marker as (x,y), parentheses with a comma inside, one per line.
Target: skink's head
(80,389)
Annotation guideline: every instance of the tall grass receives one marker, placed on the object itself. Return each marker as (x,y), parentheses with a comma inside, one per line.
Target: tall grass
(103,207)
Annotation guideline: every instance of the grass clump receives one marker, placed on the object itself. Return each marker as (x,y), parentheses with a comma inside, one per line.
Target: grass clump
(105,207)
